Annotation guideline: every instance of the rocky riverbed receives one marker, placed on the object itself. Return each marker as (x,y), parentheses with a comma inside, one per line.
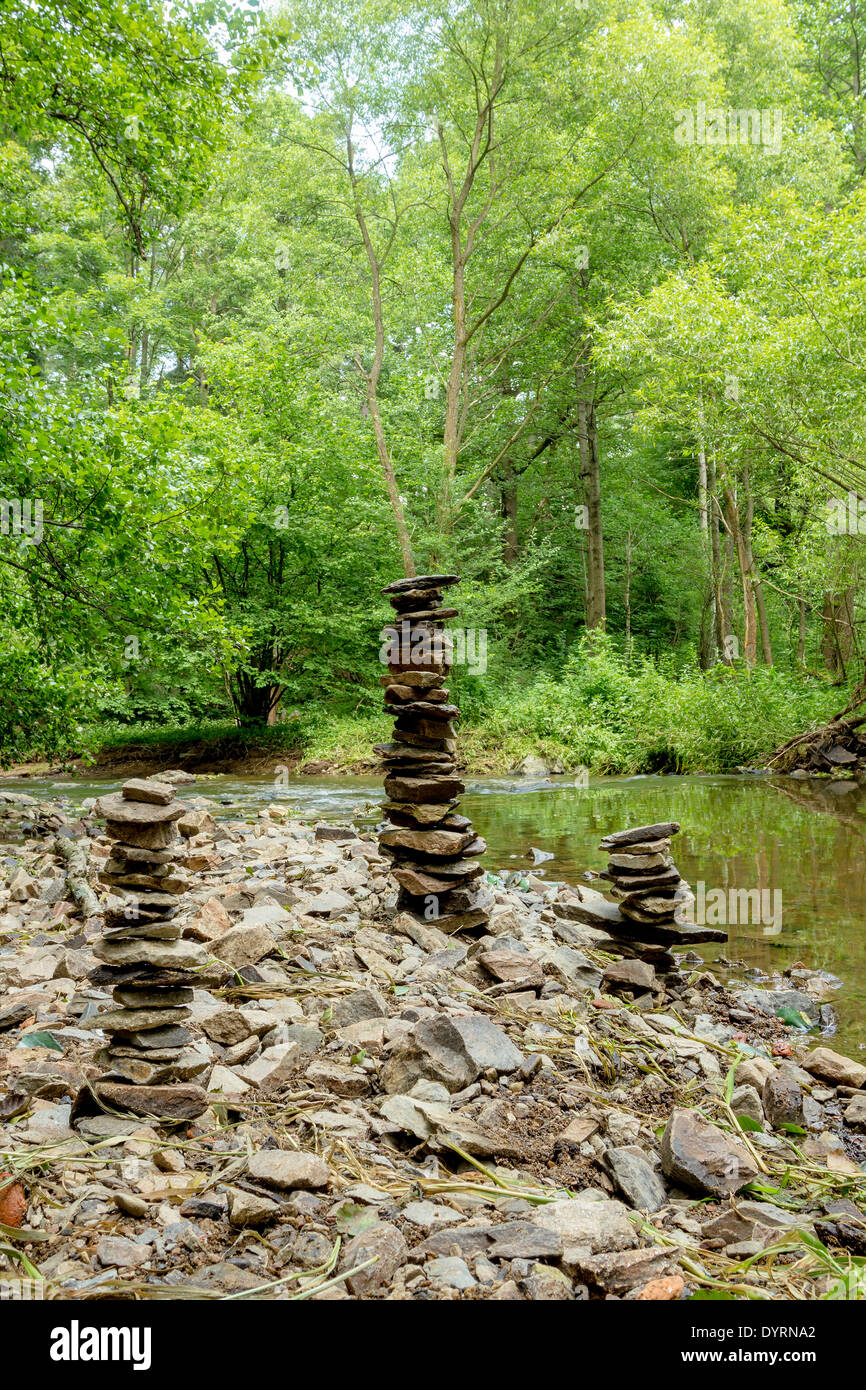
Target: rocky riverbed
(533,1113)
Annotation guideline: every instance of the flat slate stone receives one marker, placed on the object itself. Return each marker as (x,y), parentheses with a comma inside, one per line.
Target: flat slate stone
(165,1102)
(660,831)
(390,752)
(123,812)
(129,836)
(420,883)
(180,955)
(421,581)
(148,1070)
(595,911)
(151,998)
(149,790)
(138,855)
(418,679)
(153,1041)
(149,930)
(138,1020)
(435,843)
(416,615)
(420,813)
(426,789)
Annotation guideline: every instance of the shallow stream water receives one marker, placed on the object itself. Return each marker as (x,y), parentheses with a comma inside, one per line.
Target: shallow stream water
(804,841)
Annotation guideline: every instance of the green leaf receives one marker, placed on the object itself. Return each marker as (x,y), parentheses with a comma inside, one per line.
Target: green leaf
(748,1124)
(794,1019)
(729,1084)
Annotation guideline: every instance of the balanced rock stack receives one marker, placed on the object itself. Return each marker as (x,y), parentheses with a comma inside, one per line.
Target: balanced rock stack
(434,850)
(146,961)
(646,883)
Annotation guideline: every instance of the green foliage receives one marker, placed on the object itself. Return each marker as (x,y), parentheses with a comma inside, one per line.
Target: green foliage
(43,706)
(213,223)
(612,715)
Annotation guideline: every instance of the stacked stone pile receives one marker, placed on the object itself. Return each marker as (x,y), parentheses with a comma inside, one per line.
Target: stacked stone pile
(144,958)
(646,883)
(434,849)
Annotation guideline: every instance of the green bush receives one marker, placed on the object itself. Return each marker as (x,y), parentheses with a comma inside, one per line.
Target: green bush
(43,706)
(641,716)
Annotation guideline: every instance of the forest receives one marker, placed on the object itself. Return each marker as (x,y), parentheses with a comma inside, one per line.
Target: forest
(565,299)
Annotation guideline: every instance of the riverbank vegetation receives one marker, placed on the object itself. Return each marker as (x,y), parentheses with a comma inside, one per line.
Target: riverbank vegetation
(569,301)
(597,713)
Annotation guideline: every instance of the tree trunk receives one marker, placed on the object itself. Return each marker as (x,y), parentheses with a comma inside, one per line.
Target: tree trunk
(508,502)
(628,596)
(371,377)
(739,528)
(763,625)
(838,639)
(801,633)
(454,384)
(587,434)
(707,644)
(721,607)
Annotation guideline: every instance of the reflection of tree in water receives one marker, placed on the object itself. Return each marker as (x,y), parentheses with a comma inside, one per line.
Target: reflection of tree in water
(749,833)
(844,800)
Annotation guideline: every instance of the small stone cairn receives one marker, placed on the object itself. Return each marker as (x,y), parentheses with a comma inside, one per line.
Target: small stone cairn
(434,850)
(146,961)
(647,885)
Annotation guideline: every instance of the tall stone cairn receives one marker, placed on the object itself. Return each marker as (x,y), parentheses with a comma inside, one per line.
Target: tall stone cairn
(143,957)
(434,850)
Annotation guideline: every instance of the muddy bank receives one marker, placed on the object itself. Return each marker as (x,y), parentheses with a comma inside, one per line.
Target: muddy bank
(536,1113)
(243,755)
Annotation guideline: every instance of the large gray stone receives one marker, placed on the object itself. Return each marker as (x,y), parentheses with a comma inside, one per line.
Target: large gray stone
(354,1008)
(454,1051)
(782,1100)
(637,1180)
(835,1068)
(244,945)
(574,968)
(136,1020)
(288,1170)
(148,789)
(122,811)
(385,1245)
(770,1001)
(698,1156)
(587,1225)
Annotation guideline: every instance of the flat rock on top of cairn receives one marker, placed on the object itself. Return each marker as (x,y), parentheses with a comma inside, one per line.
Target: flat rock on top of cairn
(641,834)
(140,931)
(421,581)
(148,789)
(429,846)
